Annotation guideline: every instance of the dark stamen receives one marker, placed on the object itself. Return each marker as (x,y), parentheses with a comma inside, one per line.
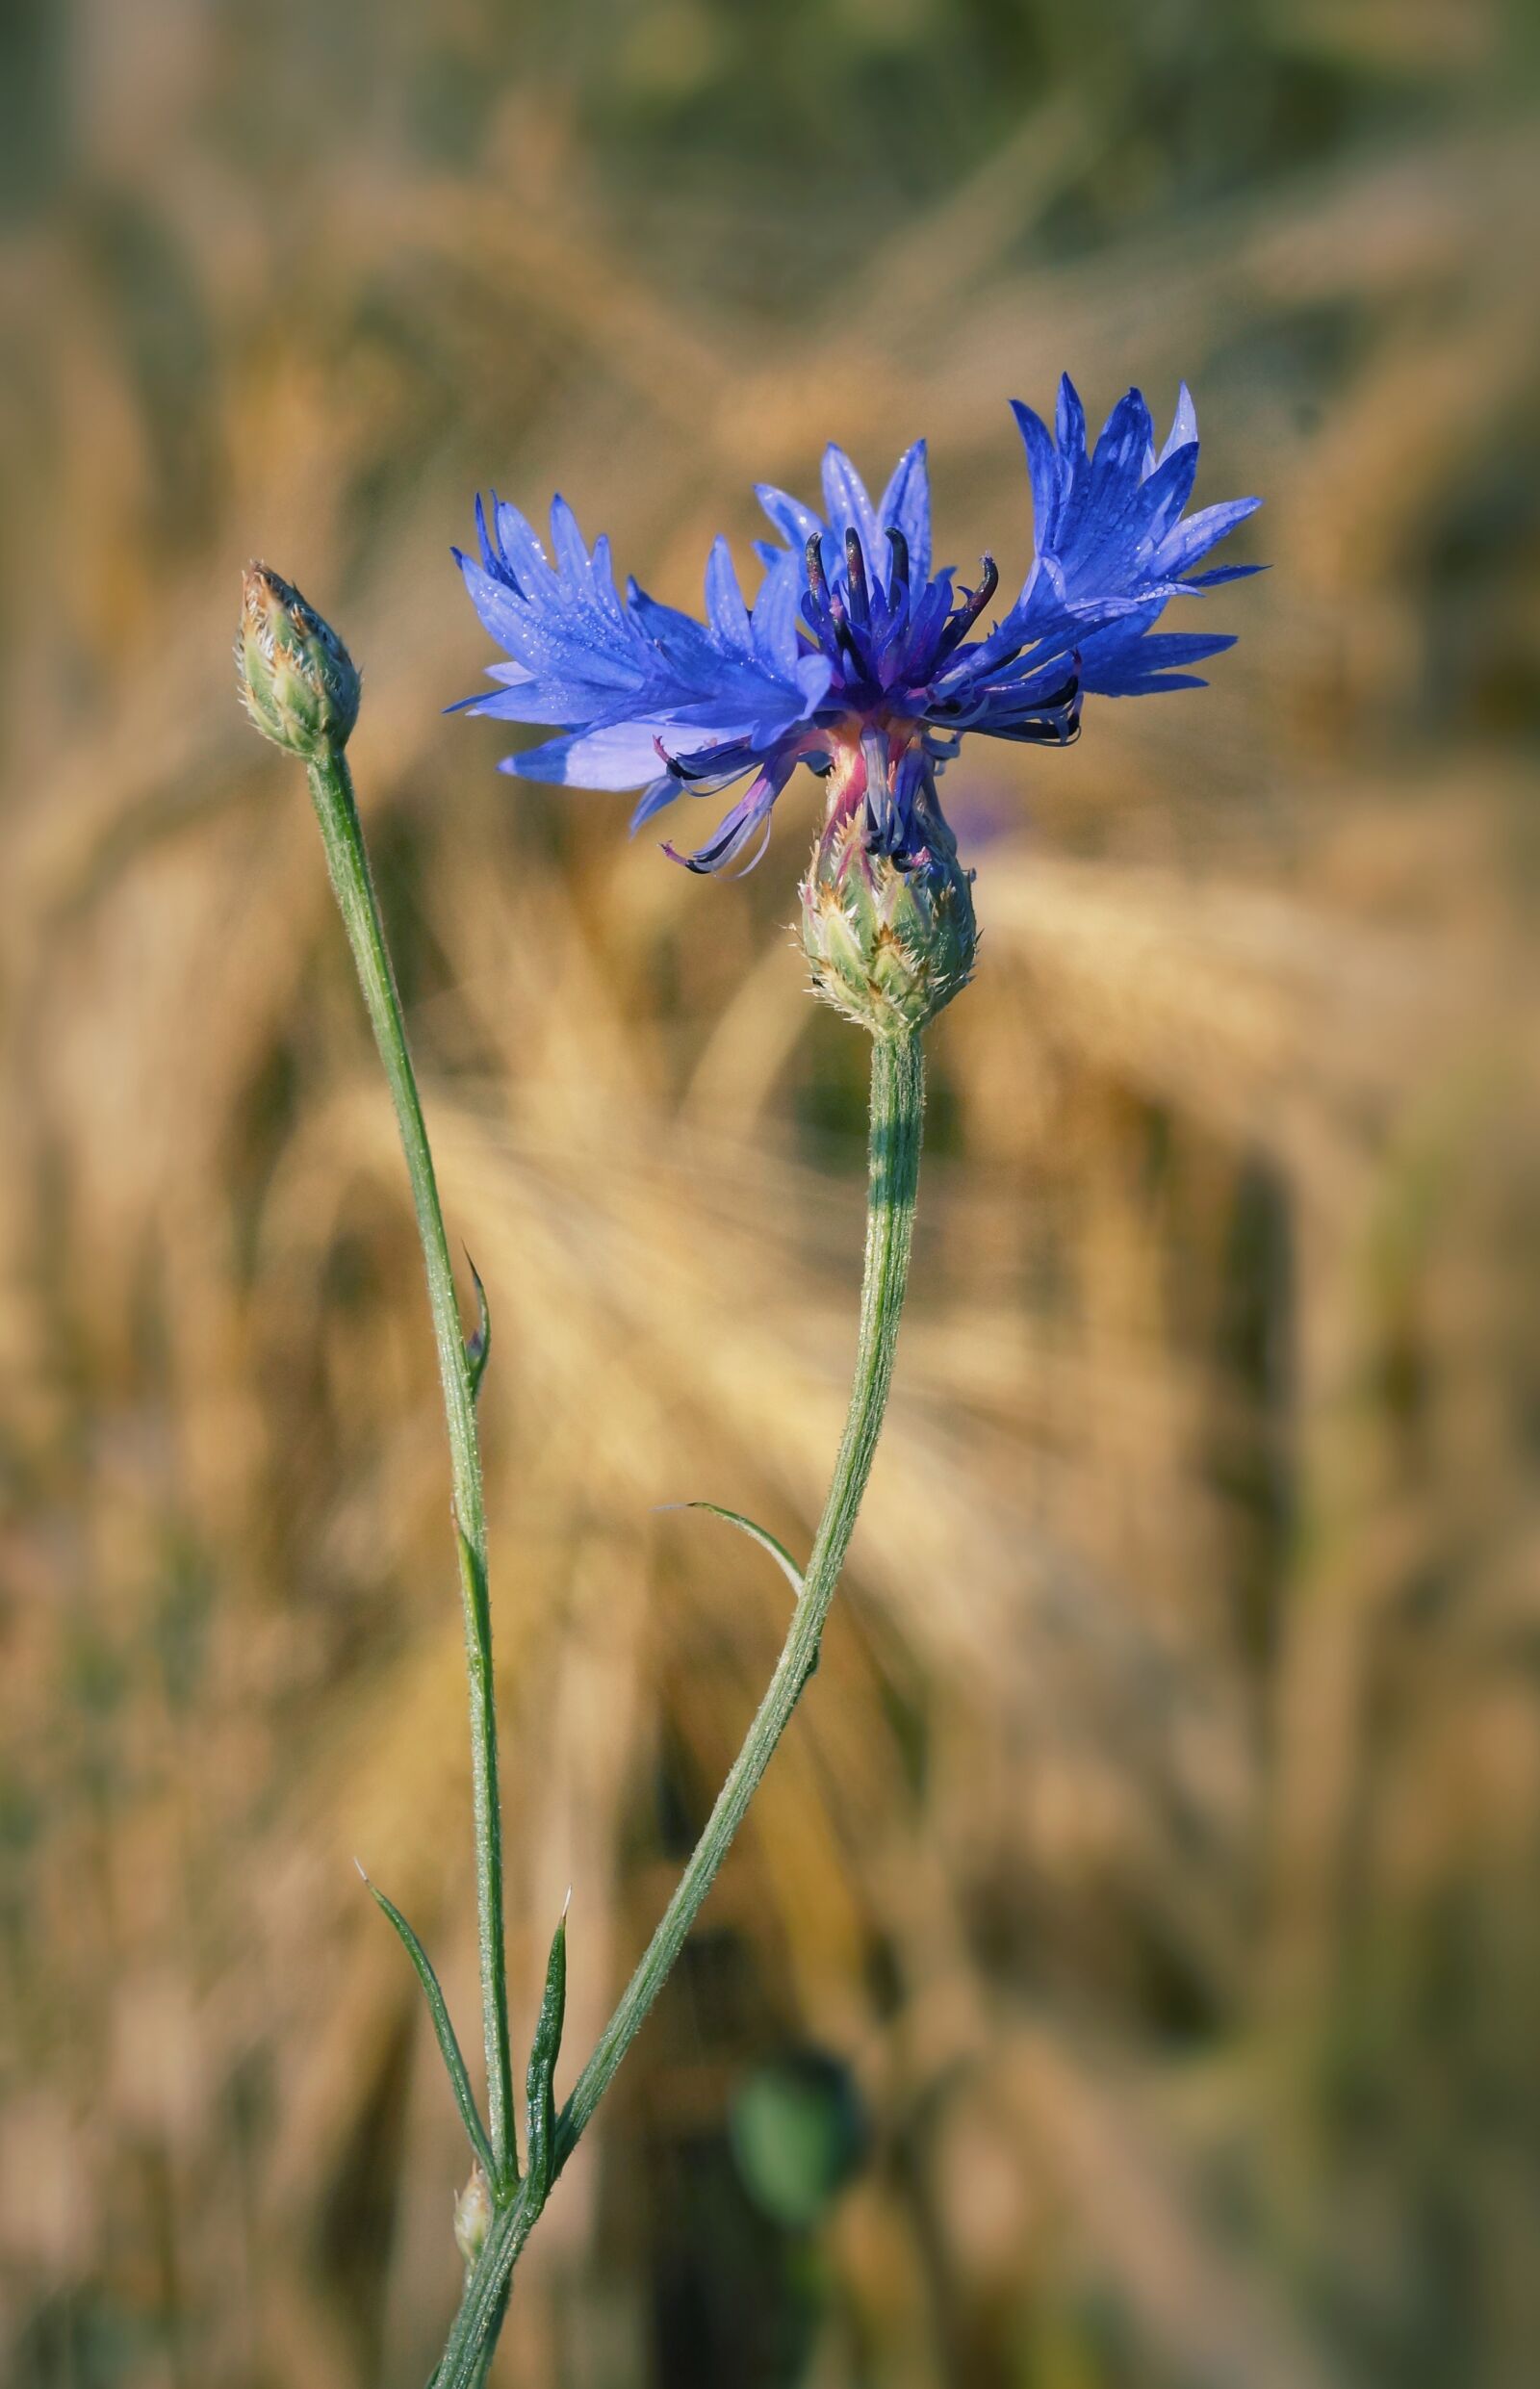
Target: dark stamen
(900,546)
(817,585)
(1059,729)
(967,614)
(856,577)
(680,766)
(673,765)
(1053,721)
(979,598)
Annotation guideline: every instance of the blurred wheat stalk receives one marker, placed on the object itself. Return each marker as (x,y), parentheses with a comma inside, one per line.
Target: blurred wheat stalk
(1163,1838)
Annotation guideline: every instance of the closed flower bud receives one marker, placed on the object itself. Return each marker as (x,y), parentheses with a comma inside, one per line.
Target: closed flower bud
(473,2217)
(890,938)
(298,681)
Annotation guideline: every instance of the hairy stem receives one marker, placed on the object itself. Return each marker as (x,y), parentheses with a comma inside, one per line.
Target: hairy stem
(898,1087)
(332,789)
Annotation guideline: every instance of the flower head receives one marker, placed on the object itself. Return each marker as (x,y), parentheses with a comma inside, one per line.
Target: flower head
(854,659)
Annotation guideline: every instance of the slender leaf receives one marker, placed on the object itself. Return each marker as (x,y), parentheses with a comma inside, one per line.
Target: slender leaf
(459,2079)
(757,1534)
(544,2052)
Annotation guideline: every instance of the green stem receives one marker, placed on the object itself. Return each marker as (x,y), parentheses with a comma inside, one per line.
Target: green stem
(332,788)
(898,1089)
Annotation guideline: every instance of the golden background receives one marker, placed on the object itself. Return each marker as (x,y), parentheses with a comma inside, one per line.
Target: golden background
(1144,1910)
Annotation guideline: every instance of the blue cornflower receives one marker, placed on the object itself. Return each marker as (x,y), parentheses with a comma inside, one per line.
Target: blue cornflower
(854,659)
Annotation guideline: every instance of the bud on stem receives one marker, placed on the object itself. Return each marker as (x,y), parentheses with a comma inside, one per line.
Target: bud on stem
(473,2218)
(298,681)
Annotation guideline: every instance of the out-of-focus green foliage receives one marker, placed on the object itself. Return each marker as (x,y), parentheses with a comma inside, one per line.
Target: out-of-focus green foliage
(798,2134)
(1157,1855)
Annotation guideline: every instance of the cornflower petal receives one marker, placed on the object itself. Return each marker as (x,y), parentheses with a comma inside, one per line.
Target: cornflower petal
(906,508)
(846,503)
(1183,432)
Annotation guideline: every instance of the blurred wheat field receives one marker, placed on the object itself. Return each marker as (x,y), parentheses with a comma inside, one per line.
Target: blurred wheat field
(1154,1867)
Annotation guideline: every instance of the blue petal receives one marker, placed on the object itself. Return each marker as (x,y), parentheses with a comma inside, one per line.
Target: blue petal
(1042,465)
(1124,662)
(905,507)
(1183,432)
(795,522)
(848,505)
(1220,574)
(725,609)
(661,792)
(1123,445)
(614,674)
(1169,487)
(1111,545)
(1161,650)
(1201,532)
(567,543)
(524,555)
(774,620)
(619,757)
(1070,425)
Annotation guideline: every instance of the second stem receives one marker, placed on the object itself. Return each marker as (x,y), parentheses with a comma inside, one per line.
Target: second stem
(332,789)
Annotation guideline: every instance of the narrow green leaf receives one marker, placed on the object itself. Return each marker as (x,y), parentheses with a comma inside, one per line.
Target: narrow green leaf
(489,1839)
(455,2063)
(544,2052)
(474,1577)
(478,1346)
(757,1534)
